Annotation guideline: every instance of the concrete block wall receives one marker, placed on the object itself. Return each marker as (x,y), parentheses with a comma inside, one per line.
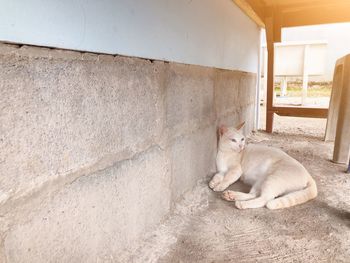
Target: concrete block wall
(96,149)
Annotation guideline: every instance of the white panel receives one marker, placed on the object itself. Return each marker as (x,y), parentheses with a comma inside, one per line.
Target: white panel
(289,58)
(336,35)
(317,59)
(203,32)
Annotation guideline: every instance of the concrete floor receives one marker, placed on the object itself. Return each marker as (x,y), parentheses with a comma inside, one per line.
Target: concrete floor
(204,228)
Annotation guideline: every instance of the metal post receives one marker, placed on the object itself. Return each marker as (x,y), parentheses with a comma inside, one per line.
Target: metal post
(270,74)
(284,84)
(305,75)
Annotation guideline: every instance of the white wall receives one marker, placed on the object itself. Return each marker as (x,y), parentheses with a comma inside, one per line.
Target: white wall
(336,35)
(203,32)
(289,58)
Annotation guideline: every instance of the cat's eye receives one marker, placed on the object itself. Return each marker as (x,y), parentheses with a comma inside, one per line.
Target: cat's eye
(242,139)
(234,140)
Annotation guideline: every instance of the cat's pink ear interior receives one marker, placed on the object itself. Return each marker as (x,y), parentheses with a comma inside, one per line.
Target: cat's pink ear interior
(240,126)
(223,129)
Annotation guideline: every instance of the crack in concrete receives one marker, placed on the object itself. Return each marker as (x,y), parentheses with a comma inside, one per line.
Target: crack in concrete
(60,181)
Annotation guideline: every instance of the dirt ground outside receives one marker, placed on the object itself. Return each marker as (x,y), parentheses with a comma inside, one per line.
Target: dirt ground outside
(205,228)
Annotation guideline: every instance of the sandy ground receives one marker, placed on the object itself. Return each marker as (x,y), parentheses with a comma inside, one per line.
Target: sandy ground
(205,228)
(320,102)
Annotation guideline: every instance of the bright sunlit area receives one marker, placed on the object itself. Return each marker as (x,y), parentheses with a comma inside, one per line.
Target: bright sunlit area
(305,60)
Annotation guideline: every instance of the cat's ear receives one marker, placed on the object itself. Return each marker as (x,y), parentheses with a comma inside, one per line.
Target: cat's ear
(222,129)
(240,126)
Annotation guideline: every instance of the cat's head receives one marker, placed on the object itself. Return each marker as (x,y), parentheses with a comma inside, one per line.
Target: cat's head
(231,138)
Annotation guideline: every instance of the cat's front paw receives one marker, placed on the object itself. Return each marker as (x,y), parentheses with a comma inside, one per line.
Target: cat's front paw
(240,205)
(220,187)
(215,181)
(212,184)
(228,195)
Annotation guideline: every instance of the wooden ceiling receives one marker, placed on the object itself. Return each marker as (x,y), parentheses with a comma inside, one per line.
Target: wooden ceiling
(291,13)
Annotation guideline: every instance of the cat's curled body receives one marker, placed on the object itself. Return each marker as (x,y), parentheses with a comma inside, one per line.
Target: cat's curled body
(277,180)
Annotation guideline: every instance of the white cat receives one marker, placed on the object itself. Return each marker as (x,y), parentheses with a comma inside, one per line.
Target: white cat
(277,180)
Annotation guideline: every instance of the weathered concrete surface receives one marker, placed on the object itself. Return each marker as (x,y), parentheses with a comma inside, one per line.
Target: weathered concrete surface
(189,98)
(97,216)
(192,156)
(58,116)
(235,86)
(95,150)
(191,124)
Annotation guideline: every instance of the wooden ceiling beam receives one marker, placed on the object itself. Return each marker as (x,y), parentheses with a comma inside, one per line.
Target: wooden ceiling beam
(253,12)
(299,3)
(277,25)
(290,13)
(316,15)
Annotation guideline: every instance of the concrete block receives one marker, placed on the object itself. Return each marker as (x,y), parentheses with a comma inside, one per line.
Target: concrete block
(231,119)
(59,116)
(65,54)
(227,86)
(6,49)
(247,90)
(33,52)
(235,98)
(192,159)
(189,98)
(246,114)
(106,58)
(97,216)
(89,56)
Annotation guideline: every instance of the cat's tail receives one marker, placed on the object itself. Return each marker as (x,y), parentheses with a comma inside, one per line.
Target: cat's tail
(295,198)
